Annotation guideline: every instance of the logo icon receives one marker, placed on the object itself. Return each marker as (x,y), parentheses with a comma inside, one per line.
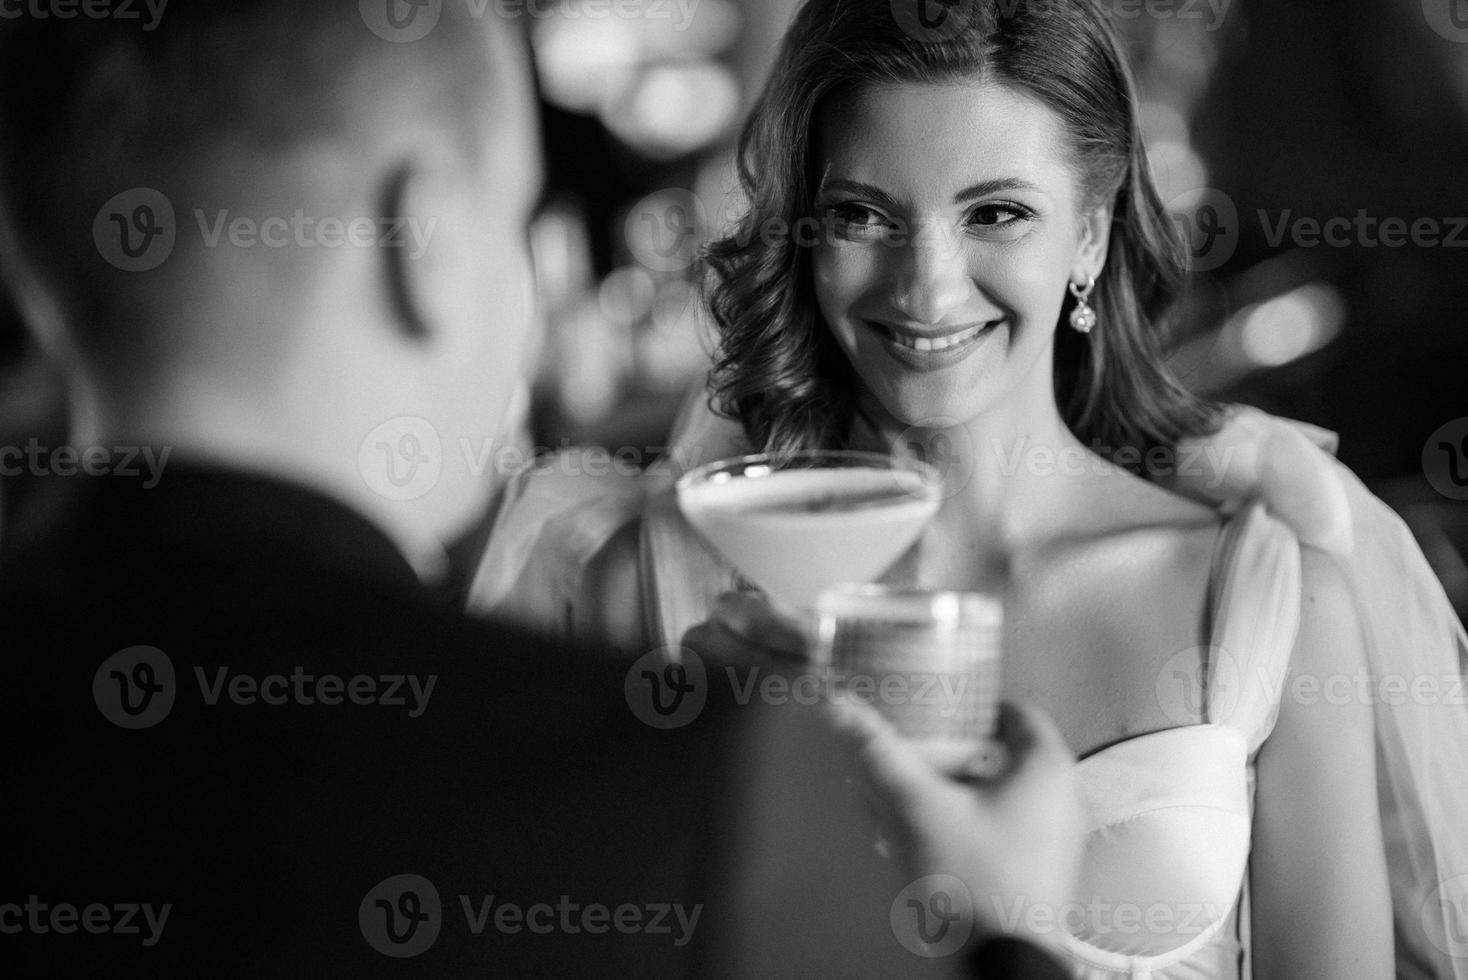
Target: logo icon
(1449,18)
(1208,221)
(1445,459)
(1445,917)
(135,688)
(667,688)
(401,917)
(933,20)
(665,229)
(944,444)
(402,459)
(934,916)
(136,230)
(1199,683)
(401,21)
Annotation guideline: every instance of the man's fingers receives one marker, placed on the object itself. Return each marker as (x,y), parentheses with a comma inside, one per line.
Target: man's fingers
(896,770)
(1030,736)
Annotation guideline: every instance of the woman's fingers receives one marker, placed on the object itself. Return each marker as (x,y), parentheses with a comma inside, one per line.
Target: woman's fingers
(743,628)
(753,619)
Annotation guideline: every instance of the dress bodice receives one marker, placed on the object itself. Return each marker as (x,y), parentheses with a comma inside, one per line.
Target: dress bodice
(1168,814)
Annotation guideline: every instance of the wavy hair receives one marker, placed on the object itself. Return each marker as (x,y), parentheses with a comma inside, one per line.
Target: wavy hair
(778,369)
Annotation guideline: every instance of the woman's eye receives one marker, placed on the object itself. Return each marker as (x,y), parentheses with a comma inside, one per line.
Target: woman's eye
(999,215)
(859,220)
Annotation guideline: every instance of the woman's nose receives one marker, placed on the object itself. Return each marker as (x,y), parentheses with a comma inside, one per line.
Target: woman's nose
(931,278)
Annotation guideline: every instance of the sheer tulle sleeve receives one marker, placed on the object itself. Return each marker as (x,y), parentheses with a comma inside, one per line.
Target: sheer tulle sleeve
(561,516)
(554,521)
(1416,652)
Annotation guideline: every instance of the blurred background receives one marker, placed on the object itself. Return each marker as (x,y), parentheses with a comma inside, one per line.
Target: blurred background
(1262,117)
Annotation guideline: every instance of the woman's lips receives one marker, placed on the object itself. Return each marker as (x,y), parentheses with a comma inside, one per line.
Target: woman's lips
(930,353)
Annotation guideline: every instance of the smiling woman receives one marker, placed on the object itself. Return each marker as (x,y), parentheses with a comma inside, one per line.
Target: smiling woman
(1064,99)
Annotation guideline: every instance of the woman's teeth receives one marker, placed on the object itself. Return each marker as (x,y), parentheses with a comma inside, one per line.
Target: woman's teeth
(937,343)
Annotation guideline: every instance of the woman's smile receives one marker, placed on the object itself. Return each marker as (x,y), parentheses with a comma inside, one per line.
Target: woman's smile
(933,349)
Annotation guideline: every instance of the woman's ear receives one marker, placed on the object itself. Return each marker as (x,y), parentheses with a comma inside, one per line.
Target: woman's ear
(1095,242)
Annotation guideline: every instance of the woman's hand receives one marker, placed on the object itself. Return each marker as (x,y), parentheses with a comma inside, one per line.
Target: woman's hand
(745,628)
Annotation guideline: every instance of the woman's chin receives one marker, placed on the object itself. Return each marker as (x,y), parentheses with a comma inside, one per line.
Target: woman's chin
(931,408)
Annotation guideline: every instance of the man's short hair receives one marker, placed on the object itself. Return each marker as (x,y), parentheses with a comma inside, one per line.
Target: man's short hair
(91,107)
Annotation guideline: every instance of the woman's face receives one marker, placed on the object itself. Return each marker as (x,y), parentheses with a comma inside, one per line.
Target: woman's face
(954,228)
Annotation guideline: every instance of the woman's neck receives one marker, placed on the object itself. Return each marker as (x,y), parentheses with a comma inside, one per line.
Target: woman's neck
(1010,473)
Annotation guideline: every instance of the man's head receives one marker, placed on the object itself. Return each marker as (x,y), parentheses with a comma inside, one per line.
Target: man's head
(276,230)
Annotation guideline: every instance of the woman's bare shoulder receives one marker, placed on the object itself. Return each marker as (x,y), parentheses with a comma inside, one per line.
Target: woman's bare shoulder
(1115,509)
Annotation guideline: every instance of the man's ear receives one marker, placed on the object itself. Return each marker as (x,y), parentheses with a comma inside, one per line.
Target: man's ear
(403,286)
(1095,243)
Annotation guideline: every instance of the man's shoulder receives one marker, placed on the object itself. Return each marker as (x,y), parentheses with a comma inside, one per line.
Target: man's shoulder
(265,767)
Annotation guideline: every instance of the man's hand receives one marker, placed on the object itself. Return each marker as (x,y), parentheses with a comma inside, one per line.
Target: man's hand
(1014,840)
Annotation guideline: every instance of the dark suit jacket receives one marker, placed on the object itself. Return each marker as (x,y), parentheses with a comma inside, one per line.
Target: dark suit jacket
(299,799)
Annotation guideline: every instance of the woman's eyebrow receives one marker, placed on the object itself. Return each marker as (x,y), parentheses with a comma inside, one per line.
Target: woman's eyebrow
(987,187)
(874,194)
(972,193)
